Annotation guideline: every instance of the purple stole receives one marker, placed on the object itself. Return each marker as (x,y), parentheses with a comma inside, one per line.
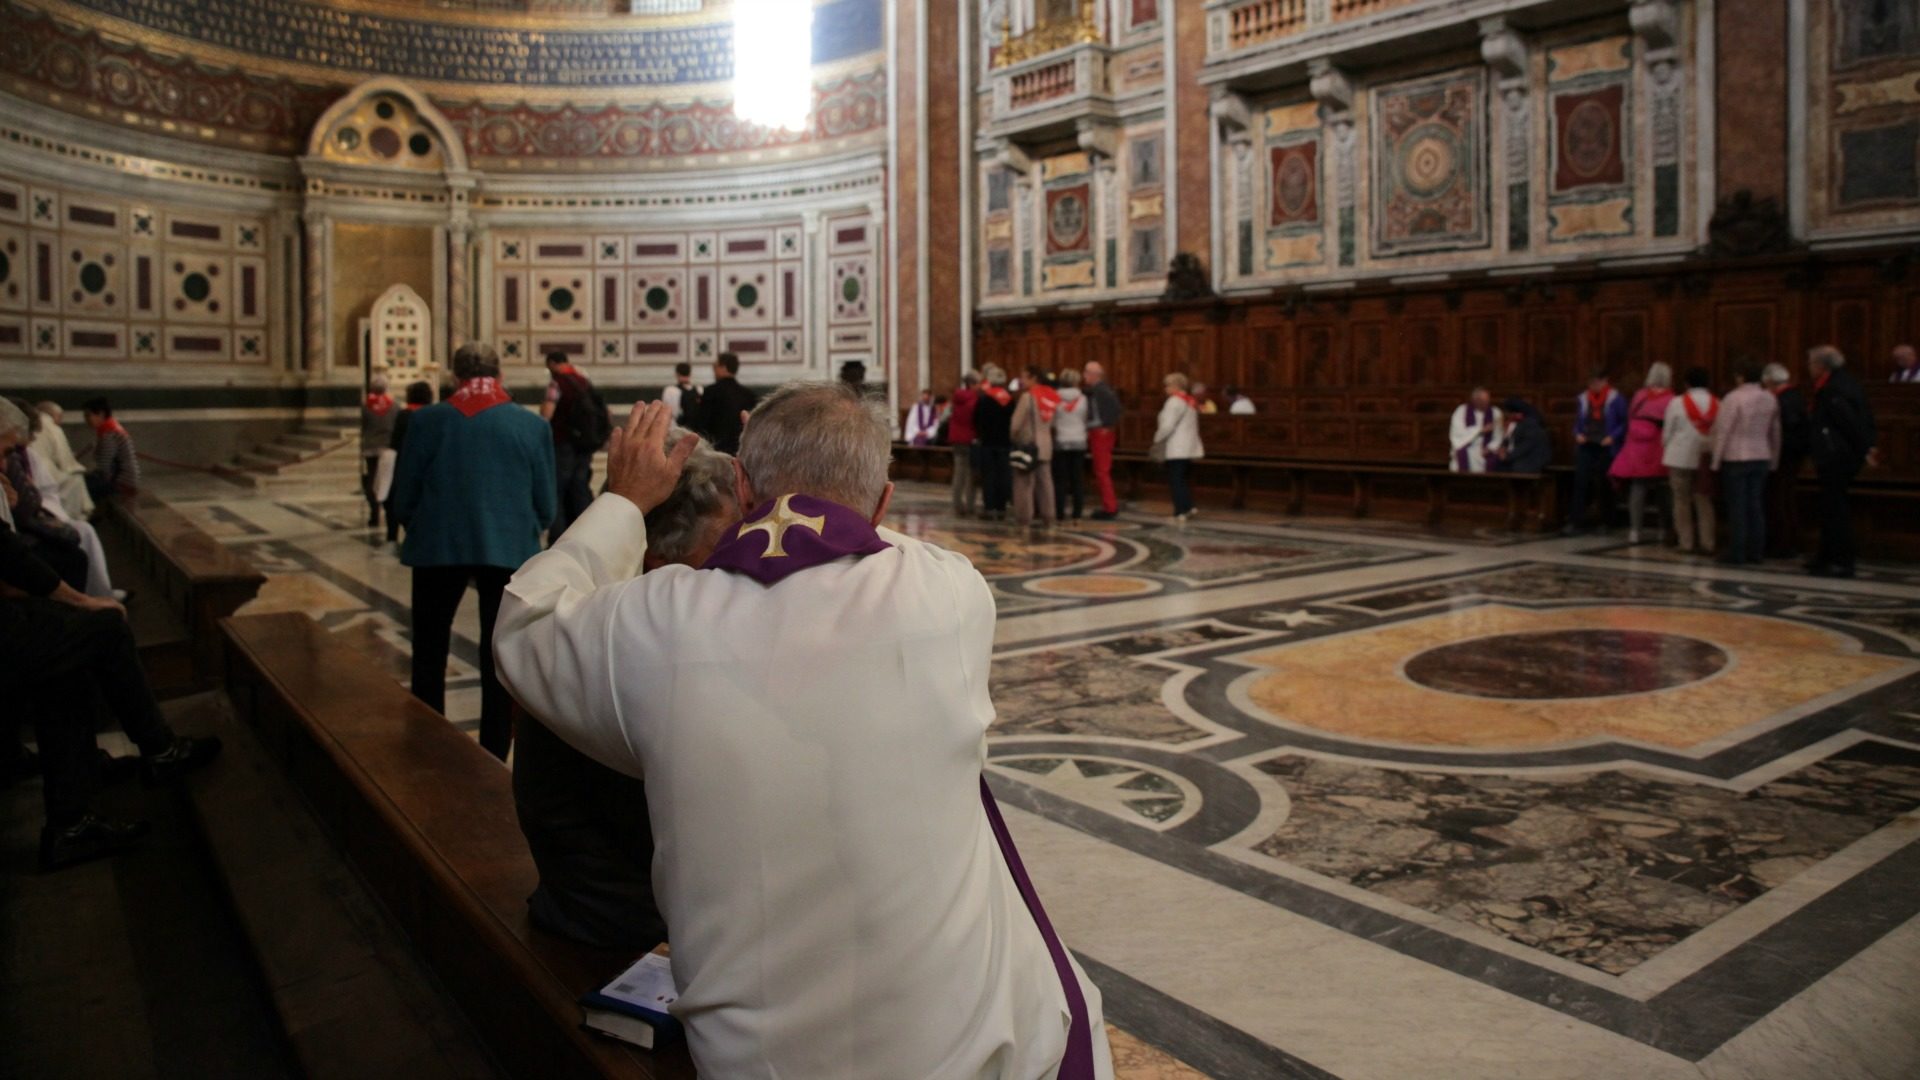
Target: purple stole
(923,424)
(796,532)
(1474,420)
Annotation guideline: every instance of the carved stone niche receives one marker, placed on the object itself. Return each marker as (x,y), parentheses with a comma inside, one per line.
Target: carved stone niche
(1187,279)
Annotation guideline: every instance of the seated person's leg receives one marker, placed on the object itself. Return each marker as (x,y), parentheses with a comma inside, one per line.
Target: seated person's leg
(66,559)
(590,836)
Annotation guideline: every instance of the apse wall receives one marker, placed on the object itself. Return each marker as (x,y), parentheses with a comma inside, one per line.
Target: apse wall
(199,202)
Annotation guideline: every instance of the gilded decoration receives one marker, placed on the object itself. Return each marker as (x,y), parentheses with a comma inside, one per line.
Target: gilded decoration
(1060,26)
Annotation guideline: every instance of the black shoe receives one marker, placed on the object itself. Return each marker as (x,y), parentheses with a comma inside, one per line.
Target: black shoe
(88,838)
(1103,515)
(1827,570)
(187,754)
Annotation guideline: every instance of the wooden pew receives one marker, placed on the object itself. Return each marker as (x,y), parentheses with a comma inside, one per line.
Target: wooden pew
(427,818)
(186,582)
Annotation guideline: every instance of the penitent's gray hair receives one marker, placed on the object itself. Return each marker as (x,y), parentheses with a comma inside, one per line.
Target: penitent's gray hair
(474,359)
(824,439)
(1660,376)
(1827,357)
(13,422)
(1776,375)
(676,527)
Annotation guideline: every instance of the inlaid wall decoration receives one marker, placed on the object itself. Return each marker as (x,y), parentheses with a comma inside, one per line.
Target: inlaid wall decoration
(1429,149)
(1590,169)
(1066,222)
(385,130)
(853,332)
(1863,117)
(651,298)
(1295,229)
(1146,204)
(87,278)
(997,231)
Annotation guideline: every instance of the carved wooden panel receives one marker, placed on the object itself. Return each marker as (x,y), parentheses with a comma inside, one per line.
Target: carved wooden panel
(1480,341)
(1623,343)
(1319,364)
(1549,347)
(1371,366)
(1743,333)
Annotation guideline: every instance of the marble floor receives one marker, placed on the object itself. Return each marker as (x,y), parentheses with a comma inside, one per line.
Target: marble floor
(1314,799)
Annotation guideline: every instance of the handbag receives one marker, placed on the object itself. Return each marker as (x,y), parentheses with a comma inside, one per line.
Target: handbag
(383,475)
(1024,457)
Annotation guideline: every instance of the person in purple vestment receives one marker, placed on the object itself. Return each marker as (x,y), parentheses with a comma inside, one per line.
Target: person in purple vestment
(1599,430)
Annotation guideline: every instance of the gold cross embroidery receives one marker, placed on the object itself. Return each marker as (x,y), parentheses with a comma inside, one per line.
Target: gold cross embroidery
(777,522)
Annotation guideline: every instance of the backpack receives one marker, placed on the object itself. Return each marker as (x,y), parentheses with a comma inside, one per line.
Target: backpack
(589,424)
(689,407)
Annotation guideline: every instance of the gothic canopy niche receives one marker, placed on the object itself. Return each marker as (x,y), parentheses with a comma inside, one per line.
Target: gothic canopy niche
(383,134)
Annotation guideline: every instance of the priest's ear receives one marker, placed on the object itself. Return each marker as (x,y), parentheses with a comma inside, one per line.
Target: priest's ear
(743,488)
(886,500)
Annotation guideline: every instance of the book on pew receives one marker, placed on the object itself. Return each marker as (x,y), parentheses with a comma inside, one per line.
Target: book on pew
(633,1007)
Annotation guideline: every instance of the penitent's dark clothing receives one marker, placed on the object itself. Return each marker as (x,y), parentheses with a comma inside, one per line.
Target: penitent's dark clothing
(720,407)
(588,830)
(1528,447)
(61,662)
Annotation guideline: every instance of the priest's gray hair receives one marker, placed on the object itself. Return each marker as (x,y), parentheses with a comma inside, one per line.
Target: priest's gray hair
(14,422)
(52,410)
(824,439)
(1827,357)
(676,527)
(474,359)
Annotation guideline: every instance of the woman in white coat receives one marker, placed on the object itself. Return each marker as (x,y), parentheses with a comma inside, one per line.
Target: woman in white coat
(1688,436)
(1176,441)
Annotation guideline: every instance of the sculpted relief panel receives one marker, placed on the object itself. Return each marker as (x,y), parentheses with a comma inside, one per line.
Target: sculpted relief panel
(1863,138)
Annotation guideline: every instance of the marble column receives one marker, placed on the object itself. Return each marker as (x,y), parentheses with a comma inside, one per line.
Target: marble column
(316,297)
(459,286)
(1334,91)
(1657,22)
(1506,53)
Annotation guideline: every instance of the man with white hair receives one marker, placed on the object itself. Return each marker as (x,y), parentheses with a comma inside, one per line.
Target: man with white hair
(50,442)
(1842,443)
(809,711)
(1476,433)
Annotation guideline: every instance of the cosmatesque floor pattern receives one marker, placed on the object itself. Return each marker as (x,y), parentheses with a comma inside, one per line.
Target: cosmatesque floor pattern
(1316,800)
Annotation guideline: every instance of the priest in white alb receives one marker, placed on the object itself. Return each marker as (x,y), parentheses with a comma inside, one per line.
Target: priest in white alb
(1476,433)
(809,711)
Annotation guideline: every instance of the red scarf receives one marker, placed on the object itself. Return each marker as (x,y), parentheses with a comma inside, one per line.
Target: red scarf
(477,395)
(416,406)
(1047,400)
(109,426)
(379,404)
(1819,384)
(1188,398)
(1702,424)
(566,369)
(999,394)
(1597,402)
(1781,389)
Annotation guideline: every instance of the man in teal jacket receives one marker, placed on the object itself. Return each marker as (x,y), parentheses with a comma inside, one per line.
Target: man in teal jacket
(474,486)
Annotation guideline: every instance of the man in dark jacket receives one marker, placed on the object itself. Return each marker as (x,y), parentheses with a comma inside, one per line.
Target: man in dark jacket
(1841,441)
(1527,448)
(1783,503)
(722,403)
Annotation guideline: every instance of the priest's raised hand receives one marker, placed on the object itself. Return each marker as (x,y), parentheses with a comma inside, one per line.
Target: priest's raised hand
(640,467)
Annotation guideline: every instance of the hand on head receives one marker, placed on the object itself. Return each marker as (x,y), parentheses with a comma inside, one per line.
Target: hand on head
(640,468)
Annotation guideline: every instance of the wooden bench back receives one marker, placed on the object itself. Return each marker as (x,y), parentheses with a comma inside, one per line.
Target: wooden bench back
(428,819)
(199,580)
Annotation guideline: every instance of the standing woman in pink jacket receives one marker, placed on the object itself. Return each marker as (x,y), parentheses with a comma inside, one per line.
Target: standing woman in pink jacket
(1638,464)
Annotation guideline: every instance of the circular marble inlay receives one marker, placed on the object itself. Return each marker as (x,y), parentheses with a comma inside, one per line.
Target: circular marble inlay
(93,277)
(1429,161)
(658,298)
(850,289)
(6,266)
(347,137)
(1588,139)
(196,287)
(384,110)
(1293,185)
(1067,221)
(560,299)
(1558,664)
(746,296)
(384,141)
(1094,585)
(420,144)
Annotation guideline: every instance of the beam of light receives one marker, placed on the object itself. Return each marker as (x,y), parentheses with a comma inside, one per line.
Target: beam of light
(772,62)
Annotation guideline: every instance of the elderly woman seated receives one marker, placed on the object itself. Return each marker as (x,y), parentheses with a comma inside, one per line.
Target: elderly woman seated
(586,824)
(68,545)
